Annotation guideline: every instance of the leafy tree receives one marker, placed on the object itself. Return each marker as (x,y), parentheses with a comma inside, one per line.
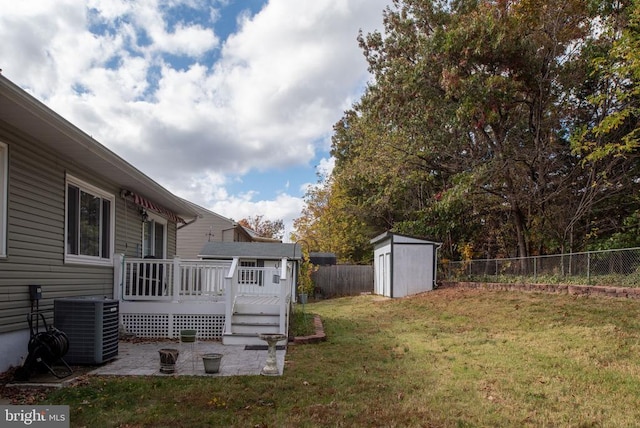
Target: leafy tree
(264,227)
(606,135)
(463,133)
(305,279)
(615,98)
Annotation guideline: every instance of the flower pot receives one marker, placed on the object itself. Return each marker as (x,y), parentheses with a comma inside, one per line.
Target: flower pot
(303,298)
(168,359)
(211,362)
(188,336)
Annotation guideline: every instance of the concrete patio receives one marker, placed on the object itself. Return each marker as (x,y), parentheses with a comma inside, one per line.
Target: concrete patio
(143,359)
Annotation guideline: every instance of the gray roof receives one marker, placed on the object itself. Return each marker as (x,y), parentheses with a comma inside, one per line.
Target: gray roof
(322,259)
(256,237)
(252,250)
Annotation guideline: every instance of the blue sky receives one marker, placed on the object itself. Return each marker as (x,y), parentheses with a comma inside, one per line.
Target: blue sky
(229,104)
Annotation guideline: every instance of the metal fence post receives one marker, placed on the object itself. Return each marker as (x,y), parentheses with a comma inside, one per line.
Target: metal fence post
(589,268)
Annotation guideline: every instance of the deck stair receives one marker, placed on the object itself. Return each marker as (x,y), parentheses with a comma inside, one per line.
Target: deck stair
(253,315)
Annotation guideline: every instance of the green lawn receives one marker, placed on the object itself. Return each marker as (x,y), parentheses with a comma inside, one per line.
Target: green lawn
(451,358)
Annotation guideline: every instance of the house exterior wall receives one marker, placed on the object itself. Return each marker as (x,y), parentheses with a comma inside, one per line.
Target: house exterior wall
(172,240)
(36,239)
(35,234)
(128,229)
(209,227)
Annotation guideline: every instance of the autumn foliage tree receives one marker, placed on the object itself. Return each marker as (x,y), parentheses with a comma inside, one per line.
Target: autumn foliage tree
(265,228)
(327,223)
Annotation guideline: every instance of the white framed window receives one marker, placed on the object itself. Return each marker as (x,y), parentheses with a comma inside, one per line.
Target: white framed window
(154,236)
(89,232)
(4,197)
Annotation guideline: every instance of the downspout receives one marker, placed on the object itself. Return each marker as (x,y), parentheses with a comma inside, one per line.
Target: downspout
(188,223)
(122,275)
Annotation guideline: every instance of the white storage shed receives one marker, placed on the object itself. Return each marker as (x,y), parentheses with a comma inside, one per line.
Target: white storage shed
(403,265)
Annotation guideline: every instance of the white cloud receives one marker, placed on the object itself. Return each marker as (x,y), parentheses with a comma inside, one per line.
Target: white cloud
(284,207)
(326,166)
(144,84)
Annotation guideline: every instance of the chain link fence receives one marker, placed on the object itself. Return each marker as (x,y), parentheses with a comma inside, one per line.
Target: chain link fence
(610,267)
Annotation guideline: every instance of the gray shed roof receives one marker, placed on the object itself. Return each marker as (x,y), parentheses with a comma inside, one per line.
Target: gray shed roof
(253,250)
(392,235)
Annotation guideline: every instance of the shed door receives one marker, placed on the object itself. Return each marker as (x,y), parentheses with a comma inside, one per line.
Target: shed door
(386,272)
(380,278)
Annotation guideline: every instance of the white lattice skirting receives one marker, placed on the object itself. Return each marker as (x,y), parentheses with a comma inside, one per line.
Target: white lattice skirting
(165,325)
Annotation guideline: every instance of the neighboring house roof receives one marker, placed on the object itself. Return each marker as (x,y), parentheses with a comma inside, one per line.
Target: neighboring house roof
(257,238)
(24,112)
(322,259)
(252,250)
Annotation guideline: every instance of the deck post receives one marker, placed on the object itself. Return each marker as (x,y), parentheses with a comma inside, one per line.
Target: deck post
(284,288)
(283,268)
(283,306)
(176,285)
(230,294)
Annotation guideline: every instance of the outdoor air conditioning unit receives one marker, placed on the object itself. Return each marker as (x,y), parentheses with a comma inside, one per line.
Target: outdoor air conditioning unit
(91,324)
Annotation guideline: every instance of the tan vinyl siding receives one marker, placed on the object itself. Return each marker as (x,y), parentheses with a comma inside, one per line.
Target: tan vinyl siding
(35,232)
(193,237)
(171,240)
(128,228)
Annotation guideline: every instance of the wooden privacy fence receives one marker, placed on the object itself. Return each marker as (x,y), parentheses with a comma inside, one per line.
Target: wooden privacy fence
(343,280)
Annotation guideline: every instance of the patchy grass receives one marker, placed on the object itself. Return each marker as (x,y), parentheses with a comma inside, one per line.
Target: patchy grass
(448,358)
(613,280)
(301,321)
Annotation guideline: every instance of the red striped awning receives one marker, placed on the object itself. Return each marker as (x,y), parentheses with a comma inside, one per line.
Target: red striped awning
(147,204)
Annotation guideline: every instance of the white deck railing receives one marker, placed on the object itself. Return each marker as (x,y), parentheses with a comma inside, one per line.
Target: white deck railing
(258,281)
(172,280)
(202,279)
